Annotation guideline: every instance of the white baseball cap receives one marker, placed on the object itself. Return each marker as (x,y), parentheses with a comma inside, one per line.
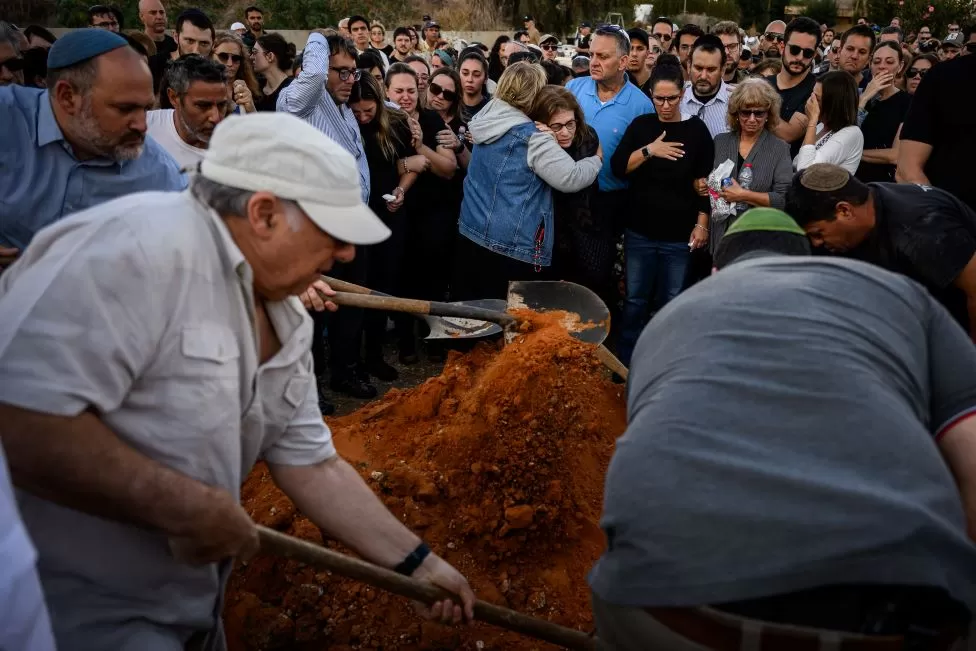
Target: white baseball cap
(237,26)
(281,154)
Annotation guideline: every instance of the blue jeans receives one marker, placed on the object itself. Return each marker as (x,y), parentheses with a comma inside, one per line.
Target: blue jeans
(655,274)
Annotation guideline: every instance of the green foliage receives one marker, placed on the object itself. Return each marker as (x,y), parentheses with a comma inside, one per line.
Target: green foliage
(915,13)
(822,11)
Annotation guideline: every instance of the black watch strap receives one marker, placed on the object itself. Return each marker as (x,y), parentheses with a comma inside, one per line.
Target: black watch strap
(645,151)
(413,560)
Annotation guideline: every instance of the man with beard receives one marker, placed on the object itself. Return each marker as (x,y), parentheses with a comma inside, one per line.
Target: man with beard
(771,45)
(197,89)
(731,37)
(80,142)
(795,82)
(255,25)
(709,96)
(684,41)
(402,45)
(919,231)
(195,34)
(11,61)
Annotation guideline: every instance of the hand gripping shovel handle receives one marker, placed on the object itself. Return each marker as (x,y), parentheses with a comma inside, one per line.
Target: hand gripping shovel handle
(354,568)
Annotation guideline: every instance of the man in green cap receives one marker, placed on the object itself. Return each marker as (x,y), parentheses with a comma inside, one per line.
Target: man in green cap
(799,466)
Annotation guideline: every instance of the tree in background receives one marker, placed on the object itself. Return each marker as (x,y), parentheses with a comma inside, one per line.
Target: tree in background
(915,13)
(822,11)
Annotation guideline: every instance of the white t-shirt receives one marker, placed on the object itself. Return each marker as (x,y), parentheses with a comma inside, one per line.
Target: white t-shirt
(843,148)
(162,128)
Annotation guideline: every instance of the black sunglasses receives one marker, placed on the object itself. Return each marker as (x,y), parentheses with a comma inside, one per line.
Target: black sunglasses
(808,52)
(549,47)
(755,113)
(13,65)
(224,57)
(436,89)
(916,72)
(662,37)
(773,36)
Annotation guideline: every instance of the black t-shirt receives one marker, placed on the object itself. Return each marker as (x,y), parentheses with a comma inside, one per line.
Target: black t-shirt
(468,112)
(387,50)
(943,115)
(159,61)
(584,42)
(383,174)
(424,194)
(664,203)
(270,102)
(880,128)
(794,101)
(925,234)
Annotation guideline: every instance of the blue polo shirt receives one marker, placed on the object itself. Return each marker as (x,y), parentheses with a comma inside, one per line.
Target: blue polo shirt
(41,181)
(610,120)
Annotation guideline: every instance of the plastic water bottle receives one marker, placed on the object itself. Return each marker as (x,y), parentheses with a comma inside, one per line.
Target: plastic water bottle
(745,180)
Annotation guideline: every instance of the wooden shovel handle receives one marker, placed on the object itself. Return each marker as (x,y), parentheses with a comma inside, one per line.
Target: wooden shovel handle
(413,306)
(354,568)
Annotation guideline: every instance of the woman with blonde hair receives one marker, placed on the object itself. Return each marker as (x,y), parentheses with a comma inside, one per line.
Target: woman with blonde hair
(506,225)
(754,108)
(229,49)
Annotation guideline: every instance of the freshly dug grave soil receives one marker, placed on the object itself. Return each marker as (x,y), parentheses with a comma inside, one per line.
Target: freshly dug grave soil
(498,463)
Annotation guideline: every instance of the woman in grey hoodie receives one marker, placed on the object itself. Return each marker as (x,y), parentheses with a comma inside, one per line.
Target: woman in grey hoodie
(506,222)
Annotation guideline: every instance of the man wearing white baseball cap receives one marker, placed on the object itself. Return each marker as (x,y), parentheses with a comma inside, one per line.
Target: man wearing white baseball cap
(152,350)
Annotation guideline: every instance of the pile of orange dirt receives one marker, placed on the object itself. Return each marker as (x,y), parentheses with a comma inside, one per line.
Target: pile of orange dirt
(498,463)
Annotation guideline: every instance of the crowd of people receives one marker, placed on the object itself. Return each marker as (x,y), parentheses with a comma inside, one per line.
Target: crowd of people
(634,166)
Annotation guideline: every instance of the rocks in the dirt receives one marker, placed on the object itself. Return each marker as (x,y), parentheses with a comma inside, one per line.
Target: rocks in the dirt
(519,517)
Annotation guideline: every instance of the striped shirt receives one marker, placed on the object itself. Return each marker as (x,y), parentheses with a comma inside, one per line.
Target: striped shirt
(714,114)
(308,98)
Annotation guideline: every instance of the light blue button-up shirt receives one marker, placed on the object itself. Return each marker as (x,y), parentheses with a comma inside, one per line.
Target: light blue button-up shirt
(41,181)
(610,120)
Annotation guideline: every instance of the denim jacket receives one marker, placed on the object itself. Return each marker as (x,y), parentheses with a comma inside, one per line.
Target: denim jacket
(507,205)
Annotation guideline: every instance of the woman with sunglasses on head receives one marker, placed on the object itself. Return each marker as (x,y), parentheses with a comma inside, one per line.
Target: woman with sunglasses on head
(426,202)
(273,58)
(832,134)
(229,49)
(754,108)
(661,157)
(917,69)
(881,112)
(386,140)
(583,251)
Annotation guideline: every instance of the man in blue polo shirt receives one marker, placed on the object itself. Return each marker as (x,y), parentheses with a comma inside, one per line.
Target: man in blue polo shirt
(610,103)
(80,142)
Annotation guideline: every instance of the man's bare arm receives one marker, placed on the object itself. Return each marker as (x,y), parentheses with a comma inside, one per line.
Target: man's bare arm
(793,130)
(80,463)
(912,157)
(958,447)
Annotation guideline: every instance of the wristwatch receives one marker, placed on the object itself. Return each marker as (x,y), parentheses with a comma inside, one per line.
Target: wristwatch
(645,151)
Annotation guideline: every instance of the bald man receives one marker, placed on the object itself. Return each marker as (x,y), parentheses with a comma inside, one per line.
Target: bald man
(773,40)
(153,17)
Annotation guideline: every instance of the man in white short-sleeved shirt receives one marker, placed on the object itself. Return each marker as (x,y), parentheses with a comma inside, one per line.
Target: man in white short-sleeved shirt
(151,350)
(197,89)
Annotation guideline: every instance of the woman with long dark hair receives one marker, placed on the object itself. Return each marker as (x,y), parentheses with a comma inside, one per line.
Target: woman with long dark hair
(832,133)
(881,112)
(386,140)
(661,156)
(272,57)
(473,70)
(495,67)
(918,67)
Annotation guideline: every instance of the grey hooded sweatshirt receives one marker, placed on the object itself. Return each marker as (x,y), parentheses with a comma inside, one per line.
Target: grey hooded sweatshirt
(545,157)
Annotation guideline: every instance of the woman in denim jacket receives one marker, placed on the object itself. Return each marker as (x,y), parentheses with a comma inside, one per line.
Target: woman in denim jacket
(506,222)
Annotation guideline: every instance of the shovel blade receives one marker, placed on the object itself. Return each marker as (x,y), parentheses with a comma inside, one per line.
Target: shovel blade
(561,295)
(454,328)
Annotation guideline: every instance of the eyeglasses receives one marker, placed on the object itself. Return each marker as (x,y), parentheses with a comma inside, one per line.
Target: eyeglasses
(436,89)
(662,36)
(549,47)
(106,24)
(670,99)
(570,126)
(13,65)
(346,73)
(916,72)
(224,57)
(773,37)
(808,52)
(759,114)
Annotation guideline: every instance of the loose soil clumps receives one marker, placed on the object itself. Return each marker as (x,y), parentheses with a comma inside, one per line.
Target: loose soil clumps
(498,463)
